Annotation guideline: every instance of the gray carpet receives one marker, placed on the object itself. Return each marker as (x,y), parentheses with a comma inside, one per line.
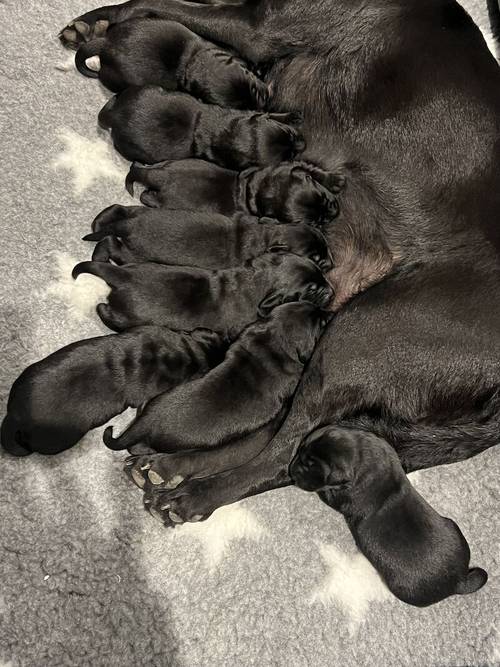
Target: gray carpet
(86,577)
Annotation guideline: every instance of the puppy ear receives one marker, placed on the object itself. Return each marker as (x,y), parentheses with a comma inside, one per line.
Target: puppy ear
(269,302)
(476,578)
(279,247)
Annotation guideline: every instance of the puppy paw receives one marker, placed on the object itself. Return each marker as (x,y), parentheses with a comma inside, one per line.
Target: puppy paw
(86,28)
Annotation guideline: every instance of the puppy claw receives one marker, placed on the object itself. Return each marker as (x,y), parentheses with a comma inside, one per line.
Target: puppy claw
(101,28)
(165,507)
(138,479)
(148,501)
(157,515)
(174,482)
(155,478)
(82,27)
(195,518)
(175,517)
(146,466)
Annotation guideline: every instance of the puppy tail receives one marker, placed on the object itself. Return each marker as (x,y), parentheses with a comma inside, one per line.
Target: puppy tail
(11,438)
(107,272)
(85,52)
(124,441)
(475,579)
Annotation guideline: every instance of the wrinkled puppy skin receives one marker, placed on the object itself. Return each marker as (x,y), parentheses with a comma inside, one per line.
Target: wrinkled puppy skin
(57,400)
(134,234)
(187,297)
(422,556)
(146,51)
(290,192)
(151,124)
(265,364)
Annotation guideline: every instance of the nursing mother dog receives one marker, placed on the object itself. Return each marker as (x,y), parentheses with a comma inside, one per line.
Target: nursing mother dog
(403,98)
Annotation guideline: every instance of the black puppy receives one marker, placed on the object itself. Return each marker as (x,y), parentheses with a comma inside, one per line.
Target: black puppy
(151,124)
(57,400)
(146,51)
(291,192)
(422,556)
(132,234)
(248,390)
(187,297)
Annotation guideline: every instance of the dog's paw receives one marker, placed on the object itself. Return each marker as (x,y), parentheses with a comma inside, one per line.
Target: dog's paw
(185,504)
(165,471)
(92,25)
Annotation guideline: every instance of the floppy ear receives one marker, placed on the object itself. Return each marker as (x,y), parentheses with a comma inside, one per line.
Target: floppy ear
(270,301)
(476,578)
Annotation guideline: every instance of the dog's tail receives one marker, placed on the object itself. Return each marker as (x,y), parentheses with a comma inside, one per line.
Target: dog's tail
(476,578)
(127,439)
(86,51)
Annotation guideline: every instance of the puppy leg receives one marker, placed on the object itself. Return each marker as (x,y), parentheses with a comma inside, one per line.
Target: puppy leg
(112,215)
(196,499)
(113,320)
(240,27)
(111,248)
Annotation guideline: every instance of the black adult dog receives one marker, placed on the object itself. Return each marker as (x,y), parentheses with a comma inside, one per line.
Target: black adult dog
(406,96)
(151,124)
(292,191)
(422,556)
(188,297)
(134,234)
(57,400)
(152,51)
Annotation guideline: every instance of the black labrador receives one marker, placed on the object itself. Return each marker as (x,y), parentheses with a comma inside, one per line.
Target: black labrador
(151,124)
(56,401)
(152,51)
(405,97)
(135,234)
(422,556)
(224,300)
(291,192)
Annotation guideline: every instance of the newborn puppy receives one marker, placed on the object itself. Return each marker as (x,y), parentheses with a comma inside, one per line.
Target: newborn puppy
(249,389)
(57,400)
(291,192)
(153,51)
(132,234)
(187,297)
(150,124)
(422,556)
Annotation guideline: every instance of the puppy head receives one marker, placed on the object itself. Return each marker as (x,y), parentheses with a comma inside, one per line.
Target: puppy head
(297,327)
(278,137)
(323,461)
(303,240)
(293,278)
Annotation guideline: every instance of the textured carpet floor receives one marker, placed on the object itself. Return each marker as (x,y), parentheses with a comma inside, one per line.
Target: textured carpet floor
(86,577)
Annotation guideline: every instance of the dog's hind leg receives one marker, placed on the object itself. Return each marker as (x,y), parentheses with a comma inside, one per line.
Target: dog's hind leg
(113,214)
(239,27)
(111,318)
(111,248)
